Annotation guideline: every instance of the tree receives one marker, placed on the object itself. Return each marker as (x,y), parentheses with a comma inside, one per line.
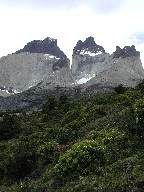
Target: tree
(9,126)
(120,89)
(50,108)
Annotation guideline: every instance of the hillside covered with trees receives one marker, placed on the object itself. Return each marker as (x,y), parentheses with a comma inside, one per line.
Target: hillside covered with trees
(83,144)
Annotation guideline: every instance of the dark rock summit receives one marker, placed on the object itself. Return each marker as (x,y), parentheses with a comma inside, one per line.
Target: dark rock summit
(88,45)
(127,51)
(46,46)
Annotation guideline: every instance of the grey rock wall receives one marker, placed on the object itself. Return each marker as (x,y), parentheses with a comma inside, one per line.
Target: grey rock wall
(45,67)
(25,70)
(122,67)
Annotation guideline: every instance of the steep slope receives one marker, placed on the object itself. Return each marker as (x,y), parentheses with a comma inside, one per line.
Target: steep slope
(91,144)
(37,62)
(98,67)
(41,68)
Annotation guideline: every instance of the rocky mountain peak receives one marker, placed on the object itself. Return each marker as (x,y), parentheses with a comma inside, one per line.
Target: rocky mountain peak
(41,66)
(46,46)
(127,51)
(39,62)
(87,47)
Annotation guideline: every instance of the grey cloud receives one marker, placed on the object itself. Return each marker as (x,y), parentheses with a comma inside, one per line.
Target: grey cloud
(107,6)
(137,38)
(42,3)
(99,6)
(140,37)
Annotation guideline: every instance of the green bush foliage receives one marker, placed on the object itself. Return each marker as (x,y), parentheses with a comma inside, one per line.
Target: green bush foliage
(139,111)
(81,144)
(82,158)
(48,152)
(9,126)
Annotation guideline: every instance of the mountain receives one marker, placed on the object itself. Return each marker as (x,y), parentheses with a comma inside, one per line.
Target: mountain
(37,62)
(46,46)
(93,66)
(62,133)
(88,46)
(41,68)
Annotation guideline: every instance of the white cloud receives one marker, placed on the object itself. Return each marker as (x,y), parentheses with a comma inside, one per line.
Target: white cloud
(110,24)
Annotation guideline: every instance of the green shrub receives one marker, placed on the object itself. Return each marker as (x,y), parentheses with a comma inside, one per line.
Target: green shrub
(19,159)
(139,111)
(109,136)
(116,141)
(82,158)
(73,129)
(48,152)
(71,116)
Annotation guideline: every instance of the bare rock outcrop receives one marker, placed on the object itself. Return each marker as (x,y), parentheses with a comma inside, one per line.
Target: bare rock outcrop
(41,67)
(38,63)
(127,51)
(46,46)
(122,67)
(87,46)
(25,70)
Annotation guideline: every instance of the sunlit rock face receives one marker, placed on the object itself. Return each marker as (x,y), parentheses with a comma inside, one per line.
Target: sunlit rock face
(42,65)
(98,67)
(33,65)
(126,71)
(41,68)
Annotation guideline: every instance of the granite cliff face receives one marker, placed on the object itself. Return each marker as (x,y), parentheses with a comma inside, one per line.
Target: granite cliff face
(122,67)
(39,62)
(41,67)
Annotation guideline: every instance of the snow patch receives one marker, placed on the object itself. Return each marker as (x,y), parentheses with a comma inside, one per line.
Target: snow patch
(52,39)
(15,91)
(87,52)
(49,56)
(30,86)
(8,91)
(4,91)
(83,80)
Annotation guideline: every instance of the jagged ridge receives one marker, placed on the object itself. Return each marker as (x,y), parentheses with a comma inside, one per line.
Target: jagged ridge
(41,65)
(88,45)
(46,46)
(127,51)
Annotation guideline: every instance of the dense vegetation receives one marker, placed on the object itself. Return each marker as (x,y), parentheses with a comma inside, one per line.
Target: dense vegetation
(75,145)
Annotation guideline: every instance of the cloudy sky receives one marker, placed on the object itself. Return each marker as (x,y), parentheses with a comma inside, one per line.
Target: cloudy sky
(110,22)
